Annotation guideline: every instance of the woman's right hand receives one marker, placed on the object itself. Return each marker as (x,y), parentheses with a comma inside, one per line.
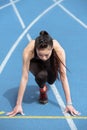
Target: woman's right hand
(16,110)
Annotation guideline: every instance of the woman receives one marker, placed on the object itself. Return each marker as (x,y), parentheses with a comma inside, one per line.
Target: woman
(45,58)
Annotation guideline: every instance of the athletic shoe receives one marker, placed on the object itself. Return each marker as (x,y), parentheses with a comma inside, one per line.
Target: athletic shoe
(43,95)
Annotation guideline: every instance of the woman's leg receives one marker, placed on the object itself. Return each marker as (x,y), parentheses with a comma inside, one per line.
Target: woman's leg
(41,78)
(51,76)
(40,74)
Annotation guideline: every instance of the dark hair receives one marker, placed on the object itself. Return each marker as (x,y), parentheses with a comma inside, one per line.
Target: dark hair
(55,61)
(43,40)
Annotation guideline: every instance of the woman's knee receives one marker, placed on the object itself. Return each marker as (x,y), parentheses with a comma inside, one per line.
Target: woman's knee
(41,78)
(51,79)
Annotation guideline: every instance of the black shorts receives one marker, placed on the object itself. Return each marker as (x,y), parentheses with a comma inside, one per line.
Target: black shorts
(43,72)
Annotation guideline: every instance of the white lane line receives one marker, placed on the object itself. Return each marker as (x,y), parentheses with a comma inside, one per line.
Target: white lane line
(17,13)
(3,64)
(19,18)
(6,5)
(62,106)
(61,103)
(72,15)
(29,37)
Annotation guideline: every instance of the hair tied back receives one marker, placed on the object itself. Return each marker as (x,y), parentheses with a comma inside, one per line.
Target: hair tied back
(42,33)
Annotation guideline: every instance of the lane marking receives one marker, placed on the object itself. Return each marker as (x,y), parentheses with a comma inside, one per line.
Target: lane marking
(6,5)
(2,112)
(3,64)
(62,106)
(45,117)
(72,15)
(20,18)
(17,13)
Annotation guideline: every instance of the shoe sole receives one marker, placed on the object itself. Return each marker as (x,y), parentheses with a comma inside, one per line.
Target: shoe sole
(43,102)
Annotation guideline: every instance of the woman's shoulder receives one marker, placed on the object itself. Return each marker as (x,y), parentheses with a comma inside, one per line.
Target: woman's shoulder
(57,46)
(29,49)
(30,45)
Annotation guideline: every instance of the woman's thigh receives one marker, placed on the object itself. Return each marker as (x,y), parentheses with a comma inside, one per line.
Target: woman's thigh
(51,76)
(35,67)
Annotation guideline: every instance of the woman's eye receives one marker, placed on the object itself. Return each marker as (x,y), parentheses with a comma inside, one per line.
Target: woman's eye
(46,55)
(40,55)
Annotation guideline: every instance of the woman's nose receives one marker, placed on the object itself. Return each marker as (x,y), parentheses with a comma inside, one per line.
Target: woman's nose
(44,58)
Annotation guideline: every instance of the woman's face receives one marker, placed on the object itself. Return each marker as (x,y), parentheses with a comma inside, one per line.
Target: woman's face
(44,54)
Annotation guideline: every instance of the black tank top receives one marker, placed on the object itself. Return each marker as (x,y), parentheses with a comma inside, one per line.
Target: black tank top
(45,64)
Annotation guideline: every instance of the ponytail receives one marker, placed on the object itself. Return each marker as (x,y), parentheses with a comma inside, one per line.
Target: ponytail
(43,40)
(44,33)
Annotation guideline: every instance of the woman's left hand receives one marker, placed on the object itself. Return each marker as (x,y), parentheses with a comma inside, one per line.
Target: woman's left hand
(70,109)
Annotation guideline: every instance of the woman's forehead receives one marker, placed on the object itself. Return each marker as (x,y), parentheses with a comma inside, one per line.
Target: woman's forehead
(46,50)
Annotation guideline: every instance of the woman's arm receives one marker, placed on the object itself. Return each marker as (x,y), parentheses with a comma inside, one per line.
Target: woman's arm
(27,56)
(24,78)
(23,83)
(63,76)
